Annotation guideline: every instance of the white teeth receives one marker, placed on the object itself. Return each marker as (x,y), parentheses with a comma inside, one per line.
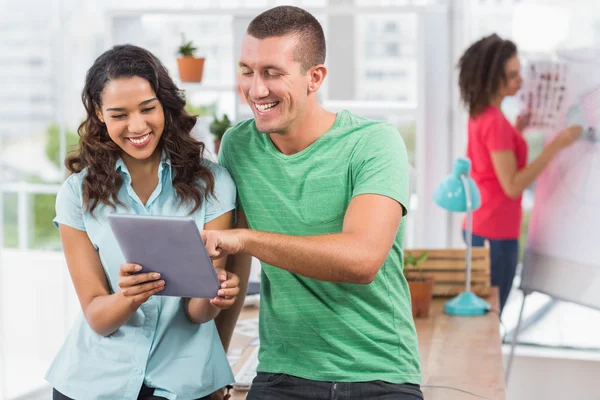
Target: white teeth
(265,107)
(140,140)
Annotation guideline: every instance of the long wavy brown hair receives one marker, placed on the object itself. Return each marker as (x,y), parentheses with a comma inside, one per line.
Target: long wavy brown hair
(482,70)
(192,179)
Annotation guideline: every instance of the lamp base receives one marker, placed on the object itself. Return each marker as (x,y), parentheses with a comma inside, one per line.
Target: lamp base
(466,304)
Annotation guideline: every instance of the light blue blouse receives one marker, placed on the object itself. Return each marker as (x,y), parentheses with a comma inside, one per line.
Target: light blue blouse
(158,345)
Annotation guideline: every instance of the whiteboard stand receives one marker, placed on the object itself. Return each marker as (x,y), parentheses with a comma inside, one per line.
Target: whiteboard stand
(515,337)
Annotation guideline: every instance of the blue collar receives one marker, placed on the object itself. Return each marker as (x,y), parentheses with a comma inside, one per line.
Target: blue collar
(165,162)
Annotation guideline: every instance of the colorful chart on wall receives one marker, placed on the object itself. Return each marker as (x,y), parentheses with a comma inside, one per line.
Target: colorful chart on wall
(543,93)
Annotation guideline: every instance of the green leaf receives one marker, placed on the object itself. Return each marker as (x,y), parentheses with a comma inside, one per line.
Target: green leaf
(200,110)
(53,143)
(186,48)
(219,127)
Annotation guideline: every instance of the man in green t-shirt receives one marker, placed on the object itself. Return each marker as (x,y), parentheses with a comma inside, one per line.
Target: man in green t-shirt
(321,199)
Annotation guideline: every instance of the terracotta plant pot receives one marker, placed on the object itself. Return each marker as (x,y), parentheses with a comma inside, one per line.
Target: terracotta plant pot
(217,145)
(190,69)
(421,292)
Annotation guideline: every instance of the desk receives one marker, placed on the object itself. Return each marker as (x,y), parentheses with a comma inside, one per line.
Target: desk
(461,352)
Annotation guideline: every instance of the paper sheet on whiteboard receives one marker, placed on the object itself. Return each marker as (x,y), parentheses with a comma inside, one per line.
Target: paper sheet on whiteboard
(543,94)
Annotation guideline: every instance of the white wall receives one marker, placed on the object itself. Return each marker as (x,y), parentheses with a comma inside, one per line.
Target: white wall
(434,116)
(461,32)
(37,307)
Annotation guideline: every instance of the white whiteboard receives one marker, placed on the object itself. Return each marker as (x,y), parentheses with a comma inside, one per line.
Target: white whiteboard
(562,257)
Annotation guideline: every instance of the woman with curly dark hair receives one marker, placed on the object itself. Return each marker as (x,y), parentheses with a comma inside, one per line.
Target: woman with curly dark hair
(136,155)
(490,71)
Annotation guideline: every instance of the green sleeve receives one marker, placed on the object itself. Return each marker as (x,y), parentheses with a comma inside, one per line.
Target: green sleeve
(223,152)
(225,161)
(379,165)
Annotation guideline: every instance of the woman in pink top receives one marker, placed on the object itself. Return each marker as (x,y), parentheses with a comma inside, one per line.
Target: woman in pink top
(489,71)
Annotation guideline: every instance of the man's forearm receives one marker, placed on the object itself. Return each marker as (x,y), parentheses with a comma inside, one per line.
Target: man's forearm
(339,257)
(238,264)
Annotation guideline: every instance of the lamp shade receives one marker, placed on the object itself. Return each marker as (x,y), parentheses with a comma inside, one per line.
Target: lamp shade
(450,194)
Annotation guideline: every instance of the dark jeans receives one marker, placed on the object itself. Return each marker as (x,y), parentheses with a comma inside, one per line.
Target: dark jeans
(504,257)
(146,393)
(286,387)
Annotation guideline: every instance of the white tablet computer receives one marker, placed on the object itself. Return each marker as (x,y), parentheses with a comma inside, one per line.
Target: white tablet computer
(171,246)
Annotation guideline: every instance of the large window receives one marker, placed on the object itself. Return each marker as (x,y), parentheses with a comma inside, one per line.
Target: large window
(372,60)
(387,57)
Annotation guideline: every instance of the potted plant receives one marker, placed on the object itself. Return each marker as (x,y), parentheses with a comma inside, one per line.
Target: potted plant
(420,285)
(218,129)
(190,67)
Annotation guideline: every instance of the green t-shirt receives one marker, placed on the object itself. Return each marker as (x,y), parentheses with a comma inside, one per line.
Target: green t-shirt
(322,330)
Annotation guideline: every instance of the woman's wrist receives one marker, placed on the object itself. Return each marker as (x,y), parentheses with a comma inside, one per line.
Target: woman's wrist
(125,302)
(200,311)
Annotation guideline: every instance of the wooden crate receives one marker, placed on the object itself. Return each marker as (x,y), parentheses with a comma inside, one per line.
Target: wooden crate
(448,268)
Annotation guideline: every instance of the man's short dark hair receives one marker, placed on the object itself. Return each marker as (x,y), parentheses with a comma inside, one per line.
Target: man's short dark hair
(289,20)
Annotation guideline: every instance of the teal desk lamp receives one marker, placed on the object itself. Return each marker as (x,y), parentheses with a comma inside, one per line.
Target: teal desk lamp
(459,193)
